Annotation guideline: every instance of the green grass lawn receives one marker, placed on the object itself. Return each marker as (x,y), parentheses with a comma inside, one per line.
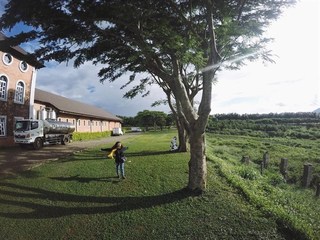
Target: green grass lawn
(78,197)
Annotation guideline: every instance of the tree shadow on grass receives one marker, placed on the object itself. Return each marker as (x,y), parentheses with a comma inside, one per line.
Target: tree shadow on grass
(86,179)
(60,203)
(83,156)
(149,153)
(89,155)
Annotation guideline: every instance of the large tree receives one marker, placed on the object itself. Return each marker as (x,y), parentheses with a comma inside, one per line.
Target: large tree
(183,43)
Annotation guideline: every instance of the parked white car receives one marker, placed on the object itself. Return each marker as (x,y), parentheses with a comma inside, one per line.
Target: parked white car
(136,129)
(117,132)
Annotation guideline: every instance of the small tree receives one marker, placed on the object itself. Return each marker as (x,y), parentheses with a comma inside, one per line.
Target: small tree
(146,119)
(160,119)
(128,121)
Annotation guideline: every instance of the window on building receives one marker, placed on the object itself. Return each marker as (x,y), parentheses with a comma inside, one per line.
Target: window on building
(19,95)
(7,58)
(23,66)
(3,87)
(3,126)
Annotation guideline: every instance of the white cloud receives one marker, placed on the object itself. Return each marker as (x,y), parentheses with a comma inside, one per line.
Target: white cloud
(290,85)
(82,84)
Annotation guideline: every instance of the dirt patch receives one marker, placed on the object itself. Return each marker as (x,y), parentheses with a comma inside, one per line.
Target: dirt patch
(14,160)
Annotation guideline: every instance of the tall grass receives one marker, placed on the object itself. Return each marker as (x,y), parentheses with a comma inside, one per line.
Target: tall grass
(294,207)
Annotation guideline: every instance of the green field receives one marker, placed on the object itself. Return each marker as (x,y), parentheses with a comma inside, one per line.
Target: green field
(78,197)
(296,207)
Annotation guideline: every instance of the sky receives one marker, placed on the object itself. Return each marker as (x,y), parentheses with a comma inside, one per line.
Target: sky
(292,84)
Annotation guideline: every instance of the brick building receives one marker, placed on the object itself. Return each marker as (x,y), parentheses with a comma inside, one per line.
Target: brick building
(19,98)
(17,83)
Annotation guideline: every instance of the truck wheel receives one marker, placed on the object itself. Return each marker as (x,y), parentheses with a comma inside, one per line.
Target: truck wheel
(65,141)
(37,144)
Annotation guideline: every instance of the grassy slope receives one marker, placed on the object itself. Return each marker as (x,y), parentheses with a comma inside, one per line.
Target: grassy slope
(295,207)
(79,198)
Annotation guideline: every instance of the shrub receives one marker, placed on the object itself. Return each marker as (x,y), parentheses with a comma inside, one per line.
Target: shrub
(248,172)
(82,136)
(275,179)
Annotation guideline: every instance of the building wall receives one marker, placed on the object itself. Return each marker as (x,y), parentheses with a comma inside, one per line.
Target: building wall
(10,108)
(82,124)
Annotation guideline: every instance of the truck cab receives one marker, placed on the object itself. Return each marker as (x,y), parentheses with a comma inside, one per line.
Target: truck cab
(27,132)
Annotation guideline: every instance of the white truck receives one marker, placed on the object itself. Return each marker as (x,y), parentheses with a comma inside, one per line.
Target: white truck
(39,132)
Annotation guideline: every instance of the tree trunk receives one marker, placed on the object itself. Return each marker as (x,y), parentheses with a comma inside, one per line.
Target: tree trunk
(197,164)
(182,136)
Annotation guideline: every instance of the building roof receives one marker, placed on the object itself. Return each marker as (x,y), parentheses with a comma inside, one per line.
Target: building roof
(18,52)
(68,106)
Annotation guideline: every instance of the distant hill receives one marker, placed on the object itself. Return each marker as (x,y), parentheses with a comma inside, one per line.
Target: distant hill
(317,110)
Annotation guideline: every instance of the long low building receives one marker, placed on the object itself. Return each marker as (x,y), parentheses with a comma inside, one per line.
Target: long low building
(85,117)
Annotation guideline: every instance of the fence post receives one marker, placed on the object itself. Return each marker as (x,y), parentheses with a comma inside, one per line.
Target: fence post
(284,167)
(307,175)
(266,159)
(318,190)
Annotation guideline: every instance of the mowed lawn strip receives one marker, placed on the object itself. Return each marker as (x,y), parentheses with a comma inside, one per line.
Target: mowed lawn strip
(78,197)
